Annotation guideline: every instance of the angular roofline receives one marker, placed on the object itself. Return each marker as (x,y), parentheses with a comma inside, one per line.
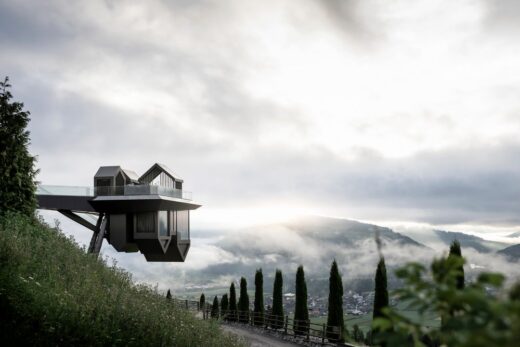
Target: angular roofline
(164,169)
(107,171)
(131,175)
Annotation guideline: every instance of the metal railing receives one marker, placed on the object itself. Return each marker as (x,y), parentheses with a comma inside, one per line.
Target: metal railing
(141,189)
(305,330)
(64,190)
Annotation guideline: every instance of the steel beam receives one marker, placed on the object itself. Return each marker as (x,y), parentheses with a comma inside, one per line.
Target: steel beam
(77,219)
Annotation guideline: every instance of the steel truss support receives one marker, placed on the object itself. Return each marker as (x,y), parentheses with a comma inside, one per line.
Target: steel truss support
(99,229)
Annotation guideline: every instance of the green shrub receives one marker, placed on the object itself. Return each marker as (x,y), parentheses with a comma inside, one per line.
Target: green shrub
(53,293)
(478,314)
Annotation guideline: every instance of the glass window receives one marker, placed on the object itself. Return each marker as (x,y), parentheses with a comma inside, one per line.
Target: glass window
(173,223)
(145,222)
(183,225)
(163,223)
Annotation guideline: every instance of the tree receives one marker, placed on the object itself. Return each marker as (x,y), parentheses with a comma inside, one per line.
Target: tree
(224,305)
(381,291)
(380,294)
(169,295)
(17,172)
(214,308)
(277,310)
(258,318)
(243,302)
(301,312)
(335,323)
(514,292)
(357,334)
(232,313)
(202,301)
(483,315)
(456,252)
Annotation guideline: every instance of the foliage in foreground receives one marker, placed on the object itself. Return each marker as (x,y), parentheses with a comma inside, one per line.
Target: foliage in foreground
(478,314)
(52,293)
(17,172)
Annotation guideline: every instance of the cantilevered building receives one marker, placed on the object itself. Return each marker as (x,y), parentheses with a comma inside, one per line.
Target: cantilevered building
(150,214)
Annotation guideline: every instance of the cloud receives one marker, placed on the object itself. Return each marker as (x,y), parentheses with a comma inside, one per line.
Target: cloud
(353,19)
(280,104)
(502,15)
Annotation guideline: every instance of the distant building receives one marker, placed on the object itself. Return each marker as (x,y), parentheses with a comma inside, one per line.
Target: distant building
(150,214)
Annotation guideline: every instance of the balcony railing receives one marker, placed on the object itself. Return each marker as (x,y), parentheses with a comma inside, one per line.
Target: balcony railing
(117,190)
(143,189)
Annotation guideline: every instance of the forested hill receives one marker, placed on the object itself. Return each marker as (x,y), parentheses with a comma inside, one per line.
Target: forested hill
(54,294)
(511,252)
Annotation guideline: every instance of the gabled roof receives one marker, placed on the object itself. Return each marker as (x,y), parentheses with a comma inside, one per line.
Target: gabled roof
(131,175)
(156,170)
(107,171)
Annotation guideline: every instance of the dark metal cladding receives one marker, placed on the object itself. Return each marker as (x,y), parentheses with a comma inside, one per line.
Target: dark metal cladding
(65,202)
(176,252)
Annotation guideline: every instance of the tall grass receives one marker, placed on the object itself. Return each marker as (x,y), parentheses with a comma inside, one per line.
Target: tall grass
(53,293)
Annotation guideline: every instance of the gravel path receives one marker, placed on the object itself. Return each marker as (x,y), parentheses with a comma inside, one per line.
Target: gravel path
(256,339)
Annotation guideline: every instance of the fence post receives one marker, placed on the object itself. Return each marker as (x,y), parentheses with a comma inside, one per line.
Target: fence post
(186,304)
(251,318)
(308,329)
(286,323)
(323,335)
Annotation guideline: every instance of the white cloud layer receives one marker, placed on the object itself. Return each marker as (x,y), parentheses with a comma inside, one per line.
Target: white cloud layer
(402,110)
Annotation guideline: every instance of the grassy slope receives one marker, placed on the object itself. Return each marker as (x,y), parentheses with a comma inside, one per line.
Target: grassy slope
(52,293)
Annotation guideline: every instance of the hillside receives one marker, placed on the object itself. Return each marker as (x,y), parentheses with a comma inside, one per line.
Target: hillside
(511,252)
(311,241)
(469,241)
(53,293)
(441,240)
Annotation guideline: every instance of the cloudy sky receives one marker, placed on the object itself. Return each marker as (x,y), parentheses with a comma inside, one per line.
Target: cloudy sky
(401,111)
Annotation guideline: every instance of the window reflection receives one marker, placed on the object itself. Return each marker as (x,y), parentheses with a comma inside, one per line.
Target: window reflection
(163,223)
(183,225)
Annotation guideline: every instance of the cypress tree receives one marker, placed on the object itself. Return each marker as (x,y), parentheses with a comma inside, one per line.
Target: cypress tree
(456,252)
(301,312)
(277,310)
(357,334)
(224,306)
(232,313)
(258,318)
(381,291)
(335,308)
(243,302)
(17,173)
(380,294)
(202,301)
(168,295)
(214,308)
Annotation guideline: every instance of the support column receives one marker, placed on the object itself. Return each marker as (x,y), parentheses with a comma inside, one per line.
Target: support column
(97,237)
